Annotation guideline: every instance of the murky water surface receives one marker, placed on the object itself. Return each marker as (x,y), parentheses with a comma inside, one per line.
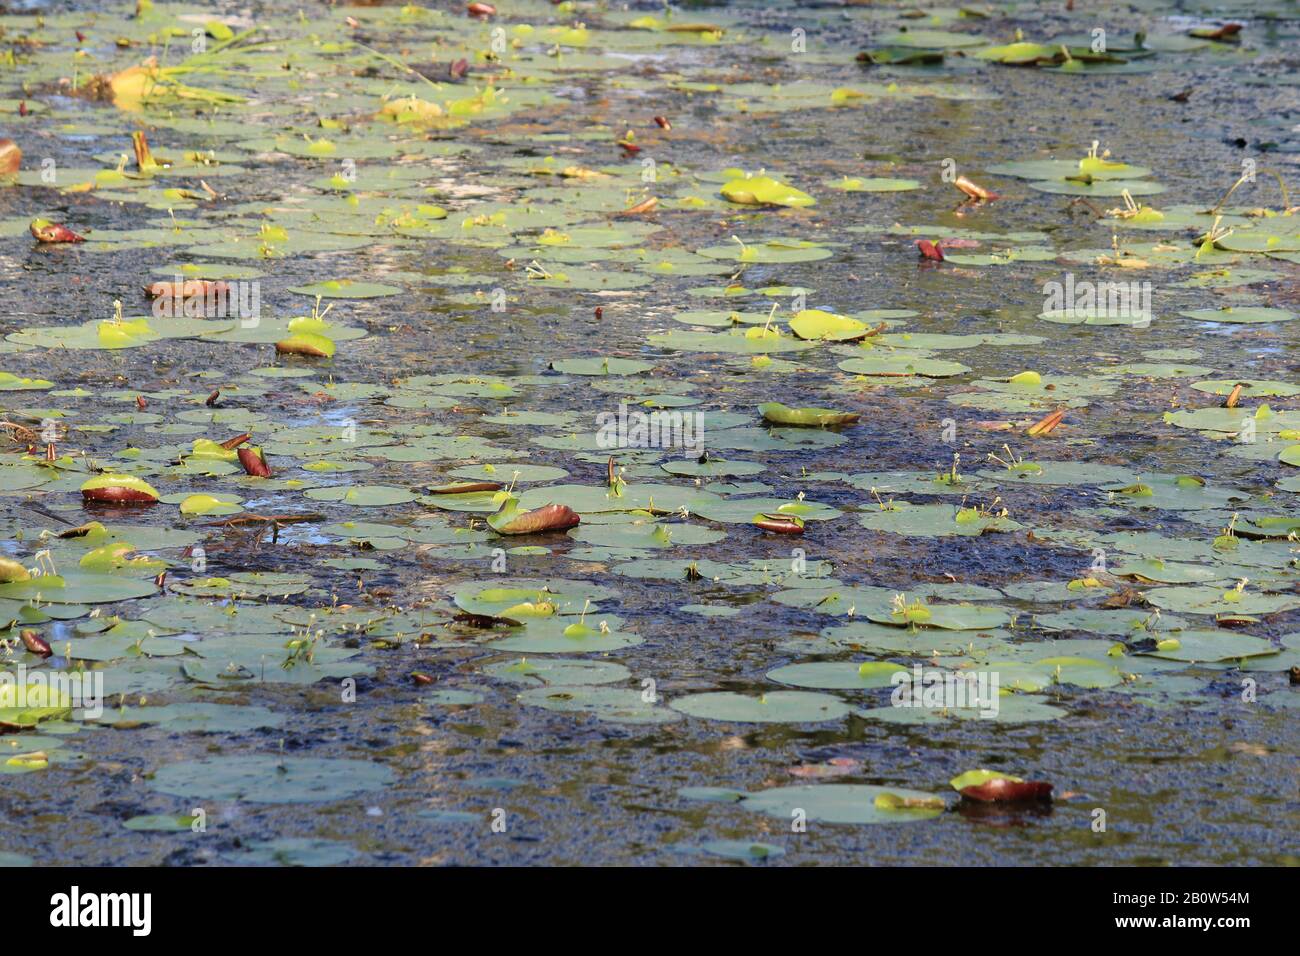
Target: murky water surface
(492,243)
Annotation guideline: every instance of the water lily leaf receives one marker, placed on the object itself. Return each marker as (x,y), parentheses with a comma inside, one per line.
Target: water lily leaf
(828,675)
(733,341)
(903,364)
(364,496)
(768,251)
(937,520)
(10,382)
(820,325)
(713,468)
(953,617)
(604,703)
(875,184)
(1000,788)
(563,635)
(601,366)
(780,414)
(764,191)
(1173,492)
(347,289)
(195,718)
(496,597)
(1211,646)
(555,670)
(1065,168)
(1203,599)
(550,517)
(795,707)
(1239,315)
(931,39)
(843,803)
(1011,709)
(742,510)
(78,588)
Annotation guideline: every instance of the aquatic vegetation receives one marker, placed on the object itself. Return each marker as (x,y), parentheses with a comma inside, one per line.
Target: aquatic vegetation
(760,190)
(610,462)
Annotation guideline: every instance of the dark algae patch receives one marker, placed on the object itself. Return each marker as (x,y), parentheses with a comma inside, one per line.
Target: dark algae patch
(753,434)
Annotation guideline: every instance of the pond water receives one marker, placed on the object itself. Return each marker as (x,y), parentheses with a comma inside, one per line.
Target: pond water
(442,265)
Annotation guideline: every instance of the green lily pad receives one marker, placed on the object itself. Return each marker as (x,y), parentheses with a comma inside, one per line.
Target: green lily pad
(841,803)
(793,707)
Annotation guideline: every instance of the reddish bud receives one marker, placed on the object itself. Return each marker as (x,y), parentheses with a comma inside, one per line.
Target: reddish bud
(36,644)
(929,250)
(52,232)
(254,463)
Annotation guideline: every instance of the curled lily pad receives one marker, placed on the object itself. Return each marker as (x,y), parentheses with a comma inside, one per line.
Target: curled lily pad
(511,520)
(119,490)
(764,191)
(987,786)
(830,326)
(311,344)
(780,414)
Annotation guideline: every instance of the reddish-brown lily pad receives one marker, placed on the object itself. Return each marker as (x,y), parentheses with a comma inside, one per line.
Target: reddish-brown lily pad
(464,487)
(51,232)
(119,490)
(254,463)
(1003,790)
(186,289)
(929,250)
(779,524)
(11,157)
(35,643)
(510,520)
